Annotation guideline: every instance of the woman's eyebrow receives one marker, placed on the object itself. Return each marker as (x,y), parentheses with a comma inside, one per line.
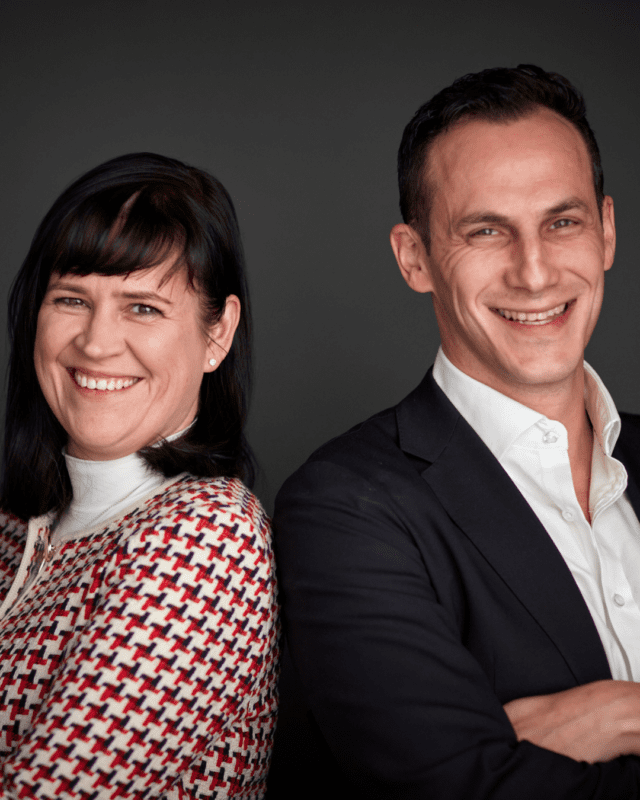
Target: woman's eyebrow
(153,296)
(68,286)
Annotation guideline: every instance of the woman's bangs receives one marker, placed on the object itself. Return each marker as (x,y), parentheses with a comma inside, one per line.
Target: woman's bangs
(105,242)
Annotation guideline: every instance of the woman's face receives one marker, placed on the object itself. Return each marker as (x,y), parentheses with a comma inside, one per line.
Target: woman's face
(120,359)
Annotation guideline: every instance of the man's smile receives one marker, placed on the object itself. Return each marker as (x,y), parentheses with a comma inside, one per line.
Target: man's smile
(533,317)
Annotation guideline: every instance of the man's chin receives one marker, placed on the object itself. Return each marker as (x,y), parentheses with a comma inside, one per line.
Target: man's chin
(543,375)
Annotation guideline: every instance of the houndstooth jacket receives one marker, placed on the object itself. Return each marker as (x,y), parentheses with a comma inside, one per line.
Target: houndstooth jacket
(141,661)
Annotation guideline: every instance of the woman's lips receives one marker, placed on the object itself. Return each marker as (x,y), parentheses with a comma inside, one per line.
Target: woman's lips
(101,384)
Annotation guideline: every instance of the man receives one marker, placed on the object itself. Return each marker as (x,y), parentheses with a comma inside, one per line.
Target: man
(460,573)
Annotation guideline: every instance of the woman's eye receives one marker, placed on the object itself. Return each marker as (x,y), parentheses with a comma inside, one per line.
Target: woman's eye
(71,302)
(144,311)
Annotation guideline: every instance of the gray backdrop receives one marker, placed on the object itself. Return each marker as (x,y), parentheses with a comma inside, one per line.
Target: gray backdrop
(299,109)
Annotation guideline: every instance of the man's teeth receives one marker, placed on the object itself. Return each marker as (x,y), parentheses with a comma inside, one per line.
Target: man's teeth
(103,384)
(536,318)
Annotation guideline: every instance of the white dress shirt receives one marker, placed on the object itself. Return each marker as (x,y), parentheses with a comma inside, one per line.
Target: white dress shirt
(604,556)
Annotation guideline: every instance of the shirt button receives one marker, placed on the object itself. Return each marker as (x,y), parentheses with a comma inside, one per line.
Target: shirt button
(550,437)
(568,515)
(618,599)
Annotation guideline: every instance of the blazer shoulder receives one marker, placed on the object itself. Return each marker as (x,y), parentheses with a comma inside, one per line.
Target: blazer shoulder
(377,434)
(386,452)
(420,426)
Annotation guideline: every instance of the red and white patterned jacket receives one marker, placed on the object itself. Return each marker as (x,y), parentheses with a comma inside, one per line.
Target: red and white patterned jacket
(142,661)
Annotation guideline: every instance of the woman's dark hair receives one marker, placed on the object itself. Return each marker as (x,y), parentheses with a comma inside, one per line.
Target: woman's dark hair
(501,94)
(90,230)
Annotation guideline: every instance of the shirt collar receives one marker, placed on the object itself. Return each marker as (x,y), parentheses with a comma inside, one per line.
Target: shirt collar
(499,421)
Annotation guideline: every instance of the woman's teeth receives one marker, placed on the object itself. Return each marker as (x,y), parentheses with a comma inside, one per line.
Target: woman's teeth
(538,318)
(103,384)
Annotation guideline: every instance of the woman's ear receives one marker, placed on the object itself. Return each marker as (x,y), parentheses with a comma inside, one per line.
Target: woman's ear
(412,257)
(221,334)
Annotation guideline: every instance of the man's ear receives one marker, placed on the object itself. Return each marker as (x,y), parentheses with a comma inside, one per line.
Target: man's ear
(412,257)
(221,334)
(609,227)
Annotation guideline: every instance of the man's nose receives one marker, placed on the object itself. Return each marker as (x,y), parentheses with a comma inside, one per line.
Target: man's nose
(533,267)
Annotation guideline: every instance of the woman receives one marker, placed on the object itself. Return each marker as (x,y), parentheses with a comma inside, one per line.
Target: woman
(138,625)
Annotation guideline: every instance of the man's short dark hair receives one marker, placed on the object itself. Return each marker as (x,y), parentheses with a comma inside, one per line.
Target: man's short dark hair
(501,94)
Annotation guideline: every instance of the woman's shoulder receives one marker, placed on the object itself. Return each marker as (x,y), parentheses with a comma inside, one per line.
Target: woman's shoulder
(198,496)
(208,510)
(207,530)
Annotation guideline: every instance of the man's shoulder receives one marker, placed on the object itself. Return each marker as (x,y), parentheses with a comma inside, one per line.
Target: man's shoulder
(385,451)
(377,434)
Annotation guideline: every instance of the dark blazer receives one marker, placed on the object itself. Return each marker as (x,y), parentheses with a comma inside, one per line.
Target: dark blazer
(420,594)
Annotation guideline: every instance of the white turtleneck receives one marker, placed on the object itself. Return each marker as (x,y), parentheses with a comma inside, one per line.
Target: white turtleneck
(101,489)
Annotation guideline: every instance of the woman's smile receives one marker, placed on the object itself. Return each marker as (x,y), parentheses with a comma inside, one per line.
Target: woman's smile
(100,383)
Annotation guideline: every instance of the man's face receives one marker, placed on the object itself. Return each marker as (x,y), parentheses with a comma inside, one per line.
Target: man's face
(518,250)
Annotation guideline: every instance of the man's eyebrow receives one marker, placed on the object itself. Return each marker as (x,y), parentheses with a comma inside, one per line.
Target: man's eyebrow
(491,218)
(482,217)
(568,205)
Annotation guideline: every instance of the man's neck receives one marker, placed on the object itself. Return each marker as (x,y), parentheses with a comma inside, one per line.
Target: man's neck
(563,402)
(580,455)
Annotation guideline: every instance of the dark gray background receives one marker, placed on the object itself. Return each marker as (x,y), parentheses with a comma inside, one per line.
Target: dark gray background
(298,109)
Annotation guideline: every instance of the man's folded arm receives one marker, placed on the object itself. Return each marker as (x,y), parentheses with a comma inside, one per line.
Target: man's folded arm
(404,706)
(595,722)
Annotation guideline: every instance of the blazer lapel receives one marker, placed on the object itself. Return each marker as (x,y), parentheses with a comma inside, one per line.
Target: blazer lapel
(484,503)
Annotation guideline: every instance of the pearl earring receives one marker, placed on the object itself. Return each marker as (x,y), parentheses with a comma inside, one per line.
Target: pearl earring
(213,362)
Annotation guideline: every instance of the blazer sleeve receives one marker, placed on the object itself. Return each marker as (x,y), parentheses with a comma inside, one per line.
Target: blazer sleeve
(405,708)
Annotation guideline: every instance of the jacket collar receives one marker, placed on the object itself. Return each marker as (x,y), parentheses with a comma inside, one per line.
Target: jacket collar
(483,502)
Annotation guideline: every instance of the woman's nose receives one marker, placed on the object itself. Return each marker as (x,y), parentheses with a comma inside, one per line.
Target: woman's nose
(100,336)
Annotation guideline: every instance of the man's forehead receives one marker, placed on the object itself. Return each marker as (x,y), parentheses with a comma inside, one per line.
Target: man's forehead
(477,155)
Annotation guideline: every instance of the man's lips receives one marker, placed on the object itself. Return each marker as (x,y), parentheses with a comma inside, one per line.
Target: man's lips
(533,317)
(101,382)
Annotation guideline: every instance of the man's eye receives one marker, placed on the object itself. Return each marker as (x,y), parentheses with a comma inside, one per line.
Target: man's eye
(486,232)
(144,311)
(563,223)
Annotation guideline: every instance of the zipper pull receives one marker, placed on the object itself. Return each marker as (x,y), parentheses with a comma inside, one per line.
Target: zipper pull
(42,555)
(48,546)
(44,550)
